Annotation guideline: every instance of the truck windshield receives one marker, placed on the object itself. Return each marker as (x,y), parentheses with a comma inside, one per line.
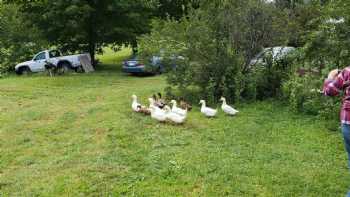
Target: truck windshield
(40,56)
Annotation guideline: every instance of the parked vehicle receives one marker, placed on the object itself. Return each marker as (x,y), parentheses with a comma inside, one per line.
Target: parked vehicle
(54,57)
(137,66)
(277,53)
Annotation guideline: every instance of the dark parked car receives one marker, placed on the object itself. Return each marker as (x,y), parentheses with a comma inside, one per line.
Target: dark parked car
(137,66)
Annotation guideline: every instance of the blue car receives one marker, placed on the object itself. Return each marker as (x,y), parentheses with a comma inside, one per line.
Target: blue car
(136,66)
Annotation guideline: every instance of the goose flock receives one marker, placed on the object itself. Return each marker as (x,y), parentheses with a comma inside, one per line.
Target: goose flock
(158,110)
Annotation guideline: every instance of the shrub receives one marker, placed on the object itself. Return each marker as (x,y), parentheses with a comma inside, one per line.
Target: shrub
(265,81)
(303,90)
(302,93)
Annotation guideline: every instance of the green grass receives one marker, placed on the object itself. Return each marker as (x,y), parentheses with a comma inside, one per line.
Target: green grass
(75,135)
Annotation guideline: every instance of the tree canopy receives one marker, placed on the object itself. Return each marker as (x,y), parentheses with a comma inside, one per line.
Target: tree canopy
(18,38)
(88,25)
(175,8)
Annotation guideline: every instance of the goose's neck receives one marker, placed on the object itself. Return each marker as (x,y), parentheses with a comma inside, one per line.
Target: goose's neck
(224,102)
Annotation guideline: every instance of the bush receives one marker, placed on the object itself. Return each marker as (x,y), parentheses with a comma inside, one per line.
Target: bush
(265,81)
(303,90)
(302,93)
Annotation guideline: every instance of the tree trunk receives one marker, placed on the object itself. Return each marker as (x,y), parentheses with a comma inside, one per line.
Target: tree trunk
(92,48)
(134,47)
(92,35)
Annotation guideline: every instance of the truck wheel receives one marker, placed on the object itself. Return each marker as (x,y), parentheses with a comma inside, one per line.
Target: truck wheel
(79,69)
(63,68)
(24,71)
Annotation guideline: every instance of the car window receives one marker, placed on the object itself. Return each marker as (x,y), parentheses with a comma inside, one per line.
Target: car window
(54,53)
(155,60)
(282,52)
(266,53)
(40,56)
(277,52)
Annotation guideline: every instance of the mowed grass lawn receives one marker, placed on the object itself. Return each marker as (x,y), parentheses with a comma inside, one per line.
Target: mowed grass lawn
(76,135)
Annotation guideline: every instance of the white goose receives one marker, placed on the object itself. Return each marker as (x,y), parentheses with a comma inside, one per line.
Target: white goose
(156,113)
(135,105)
(174,117)
(208,112)
(177,110)
(151,102)
(226,108)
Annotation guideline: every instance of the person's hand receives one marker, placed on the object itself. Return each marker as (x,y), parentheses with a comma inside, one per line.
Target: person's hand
(333,74)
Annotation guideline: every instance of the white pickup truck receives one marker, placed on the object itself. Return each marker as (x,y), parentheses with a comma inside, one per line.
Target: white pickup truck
(54,57)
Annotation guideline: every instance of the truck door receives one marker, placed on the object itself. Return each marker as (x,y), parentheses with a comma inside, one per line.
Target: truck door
(39,62)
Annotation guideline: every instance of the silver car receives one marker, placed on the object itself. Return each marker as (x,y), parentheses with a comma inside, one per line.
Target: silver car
(277,53)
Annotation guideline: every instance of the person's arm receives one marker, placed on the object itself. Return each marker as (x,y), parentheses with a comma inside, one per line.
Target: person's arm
(335,82)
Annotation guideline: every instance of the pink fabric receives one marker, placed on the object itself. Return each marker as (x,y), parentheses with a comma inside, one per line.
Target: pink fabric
(340,84)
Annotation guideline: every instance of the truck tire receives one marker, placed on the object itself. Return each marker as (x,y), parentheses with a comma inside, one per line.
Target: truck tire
(79,69)
(24,70)
(63,67)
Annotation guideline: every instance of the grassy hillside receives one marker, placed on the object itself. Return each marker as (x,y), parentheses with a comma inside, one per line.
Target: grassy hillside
(75,135)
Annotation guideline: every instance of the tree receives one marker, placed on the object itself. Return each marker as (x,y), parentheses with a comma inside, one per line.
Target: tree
(88,25)
(301,18)
(217,42)
(326,48)
(18,39)
(175,9)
